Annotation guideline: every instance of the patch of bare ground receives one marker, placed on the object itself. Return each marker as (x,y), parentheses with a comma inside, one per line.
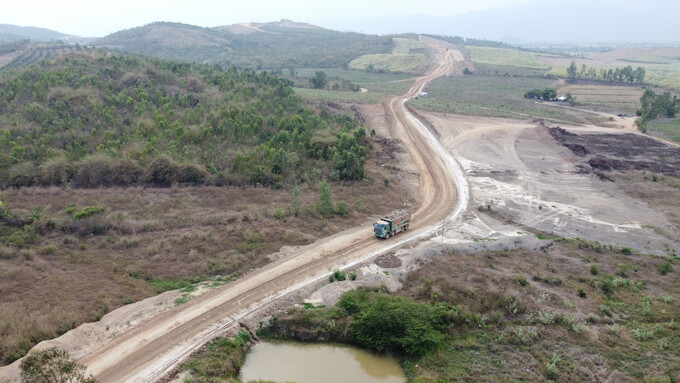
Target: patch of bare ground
(81,269)
(661,192)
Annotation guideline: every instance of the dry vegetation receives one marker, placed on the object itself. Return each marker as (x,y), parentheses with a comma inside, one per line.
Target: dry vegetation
(148,240)
(575,311)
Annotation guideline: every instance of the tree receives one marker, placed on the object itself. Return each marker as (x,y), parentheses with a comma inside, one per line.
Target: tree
(296,204)
(320,80)
(52,365)
(326,207)
(572,71)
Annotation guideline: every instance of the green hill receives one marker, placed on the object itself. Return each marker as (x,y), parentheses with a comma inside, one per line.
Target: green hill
(96,120)
(272,46)
(10,32)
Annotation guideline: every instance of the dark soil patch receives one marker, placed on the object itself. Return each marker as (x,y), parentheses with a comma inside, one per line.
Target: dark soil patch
(388,261)
(622,152)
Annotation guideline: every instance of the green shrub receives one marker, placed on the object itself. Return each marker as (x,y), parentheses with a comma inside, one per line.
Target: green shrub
(594,270)
(665,268)
(342,208)
(626,251)
(396,324)
(88,211)
(521,281)
(581,293)
(606,284)
(280,214)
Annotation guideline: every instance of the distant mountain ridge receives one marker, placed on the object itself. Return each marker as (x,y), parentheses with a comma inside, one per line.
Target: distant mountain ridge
(9,32)
(556,21)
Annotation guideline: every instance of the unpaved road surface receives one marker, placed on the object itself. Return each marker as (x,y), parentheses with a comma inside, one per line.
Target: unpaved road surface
(154,347)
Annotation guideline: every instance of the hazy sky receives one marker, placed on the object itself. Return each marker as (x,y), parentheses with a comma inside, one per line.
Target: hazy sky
(99,18)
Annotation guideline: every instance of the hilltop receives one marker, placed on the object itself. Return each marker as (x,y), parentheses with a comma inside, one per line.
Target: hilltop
(10,32)
(275,45)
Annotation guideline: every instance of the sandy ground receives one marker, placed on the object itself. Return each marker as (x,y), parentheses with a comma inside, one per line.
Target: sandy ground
(516,167)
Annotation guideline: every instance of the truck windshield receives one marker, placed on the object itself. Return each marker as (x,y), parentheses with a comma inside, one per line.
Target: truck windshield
(378,227)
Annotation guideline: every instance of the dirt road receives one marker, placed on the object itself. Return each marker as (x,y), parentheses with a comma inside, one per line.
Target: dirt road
(153,348)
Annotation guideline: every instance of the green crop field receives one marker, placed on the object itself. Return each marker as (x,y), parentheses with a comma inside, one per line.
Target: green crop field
(356,76)
(667,129)
(491,95)
(508,57)
(329,95)
(416,63)
(404,46)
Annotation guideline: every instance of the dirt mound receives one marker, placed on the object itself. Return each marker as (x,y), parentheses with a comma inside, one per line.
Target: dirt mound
(388,261)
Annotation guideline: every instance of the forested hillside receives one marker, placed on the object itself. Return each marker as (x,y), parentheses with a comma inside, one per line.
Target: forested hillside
(274,46)
(98,120)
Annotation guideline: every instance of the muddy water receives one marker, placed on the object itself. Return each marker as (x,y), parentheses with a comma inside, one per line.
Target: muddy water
(313,363)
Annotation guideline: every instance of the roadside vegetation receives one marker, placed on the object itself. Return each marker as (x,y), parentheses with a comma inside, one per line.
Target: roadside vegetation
(504,56)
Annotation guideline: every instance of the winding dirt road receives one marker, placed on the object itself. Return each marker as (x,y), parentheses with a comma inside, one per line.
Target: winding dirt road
(152,349)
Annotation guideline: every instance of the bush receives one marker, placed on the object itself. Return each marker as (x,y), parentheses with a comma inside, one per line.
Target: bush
(93,171)
(192,174)
(23,174)
(396,324)
(56,171)
(162,172)
(52,365)
(665,268)
(594,270)
(522,281)
(124,172)
(88,211)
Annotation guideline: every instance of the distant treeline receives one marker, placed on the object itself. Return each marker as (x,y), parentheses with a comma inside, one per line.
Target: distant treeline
(458,40)
(101,120)
(617,75)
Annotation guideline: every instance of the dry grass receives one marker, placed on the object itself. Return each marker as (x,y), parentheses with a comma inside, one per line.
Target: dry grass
(614,99)
(69,276)
(522,326)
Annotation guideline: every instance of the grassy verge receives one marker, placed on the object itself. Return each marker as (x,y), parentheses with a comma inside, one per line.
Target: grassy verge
(400,63)
(221,360)
(667,129)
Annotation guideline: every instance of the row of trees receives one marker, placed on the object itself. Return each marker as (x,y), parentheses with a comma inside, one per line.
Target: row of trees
(547,94)
(617,75)
(236,126)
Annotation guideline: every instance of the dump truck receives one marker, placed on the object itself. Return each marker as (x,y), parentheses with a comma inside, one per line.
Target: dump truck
(391,224)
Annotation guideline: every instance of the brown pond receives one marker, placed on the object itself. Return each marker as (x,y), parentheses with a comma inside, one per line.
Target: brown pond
(313,363)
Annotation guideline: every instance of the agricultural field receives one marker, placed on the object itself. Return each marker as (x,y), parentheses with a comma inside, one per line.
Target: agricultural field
(400,61)
(378,86)
(612,99)
(493,91)
(668,129)
(510,57)
(662,65)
